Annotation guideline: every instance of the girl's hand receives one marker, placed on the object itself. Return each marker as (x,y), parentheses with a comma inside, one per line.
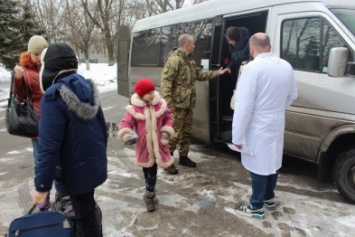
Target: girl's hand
(18,71)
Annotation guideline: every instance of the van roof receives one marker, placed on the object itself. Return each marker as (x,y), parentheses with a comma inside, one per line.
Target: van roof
(213,8)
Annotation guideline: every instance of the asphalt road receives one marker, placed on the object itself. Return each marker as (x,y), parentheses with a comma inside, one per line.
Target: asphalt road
(197,202)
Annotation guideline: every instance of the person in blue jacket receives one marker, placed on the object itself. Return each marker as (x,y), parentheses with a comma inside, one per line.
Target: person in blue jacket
(72,137)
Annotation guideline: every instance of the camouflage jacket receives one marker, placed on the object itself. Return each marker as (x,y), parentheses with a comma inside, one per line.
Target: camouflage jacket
(178,79)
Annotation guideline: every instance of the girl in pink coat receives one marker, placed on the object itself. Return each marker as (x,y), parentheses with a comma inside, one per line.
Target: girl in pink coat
(148,124)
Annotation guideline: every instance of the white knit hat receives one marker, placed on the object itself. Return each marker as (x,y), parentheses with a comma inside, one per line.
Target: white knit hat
(36,44)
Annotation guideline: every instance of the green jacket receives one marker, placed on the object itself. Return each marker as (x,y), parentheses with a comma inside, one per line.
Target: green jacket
(178,79)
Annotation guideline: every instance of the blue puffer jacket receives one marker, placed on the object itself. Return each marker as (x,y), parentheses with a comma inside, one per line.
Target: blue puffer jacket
(72,136)
(240,52)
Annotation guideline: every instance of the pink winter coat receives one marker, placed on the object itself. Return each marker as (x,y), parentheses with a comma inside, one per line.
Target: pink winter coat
(148,121)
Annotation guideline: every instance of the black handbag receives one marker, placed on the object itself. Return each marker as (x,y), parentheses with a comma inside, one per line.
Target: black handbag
(21,118)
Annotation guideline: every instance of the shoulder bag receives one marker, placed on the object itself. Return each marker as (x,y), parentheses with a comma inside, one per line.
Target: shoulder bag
(21,118)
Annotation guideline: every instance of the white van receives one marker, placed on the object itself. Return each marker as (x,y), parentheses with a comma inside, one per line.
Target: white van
(316,37)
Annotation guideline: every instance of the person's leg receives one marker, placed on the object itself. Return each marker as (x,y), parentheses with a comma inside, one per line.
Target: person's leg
(270,187)
(259,183)
(173,141)
(185,118)
(85,212)
(255,207)
(150,176)
(269,202)
(184,141)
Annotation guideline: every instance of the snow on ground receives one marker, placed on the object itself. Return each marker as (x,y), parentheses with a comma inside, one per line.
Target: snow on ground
(103,75)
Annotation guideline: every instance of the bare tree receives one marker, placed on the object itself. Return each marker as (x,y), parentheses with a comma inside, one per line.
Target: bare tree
(79,29)
(145,8)
(160,6)
(104,21)
(50,16)
(92,25)
(198,1)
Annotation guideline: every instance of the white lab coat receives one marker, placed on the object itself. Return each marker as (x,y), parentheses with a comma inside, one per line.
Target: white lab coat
(264,91)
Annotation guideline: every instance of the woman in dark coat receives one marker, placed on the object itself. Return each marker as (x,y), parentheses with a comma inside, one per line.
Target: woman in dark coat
(238,44)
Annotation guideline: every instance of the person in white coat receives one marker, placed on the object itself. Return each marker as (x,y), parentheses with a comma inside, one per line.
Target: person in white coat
(265,90)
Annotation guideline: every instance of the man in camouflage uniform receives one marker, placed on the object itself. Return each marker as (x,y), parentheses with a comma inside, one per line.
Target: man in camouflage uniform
(178,89)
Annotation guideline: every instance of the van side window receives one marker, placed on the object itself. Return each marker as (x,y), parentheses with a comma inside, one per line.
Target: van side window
(202,30)
(146,48)
(306,43)
(150,47)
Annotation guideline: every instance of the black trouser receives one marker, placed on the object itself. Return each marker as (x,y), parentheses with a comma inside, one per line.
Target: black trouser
(150,176)
(85,212)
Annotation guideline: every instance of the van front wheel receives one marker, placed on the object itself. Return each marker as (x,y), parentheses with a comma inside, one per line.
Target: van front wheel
(344,174)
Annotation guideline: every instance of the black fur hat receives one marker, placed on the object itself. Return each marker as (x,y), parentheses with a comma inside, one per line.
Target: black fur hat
(56,60)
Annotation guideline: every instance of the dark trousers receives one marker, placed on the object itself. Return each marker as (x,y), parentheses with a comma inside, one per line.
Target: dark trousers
(85,212)
(150,176)
(263,189)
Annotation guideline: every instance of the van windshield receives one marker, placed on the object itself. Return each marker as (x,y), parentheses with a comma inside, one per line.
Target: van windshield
(347,16)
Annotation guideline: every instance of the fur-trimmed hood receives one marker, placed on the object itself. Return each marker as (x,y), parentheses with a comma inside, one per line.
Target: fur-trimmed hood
(84,110)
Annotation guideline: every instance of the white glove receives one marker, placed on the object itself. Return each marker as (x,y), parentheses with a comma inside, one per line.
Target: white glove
(131,138)
(164,138)
(165,135)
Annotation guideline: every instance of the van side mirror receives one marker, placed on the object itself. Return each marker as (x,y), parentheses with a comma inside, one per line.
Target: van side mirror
(338,60)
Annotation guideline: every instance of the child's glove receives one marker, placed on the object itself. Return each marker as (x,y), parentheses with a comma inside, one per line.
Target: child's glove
(165,135)
(165,138)
(131,138)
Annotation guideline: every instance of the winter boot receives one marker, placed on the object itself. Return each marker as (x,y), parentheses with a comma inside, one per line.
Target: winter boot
(185,161)
(171,169)
(149,200)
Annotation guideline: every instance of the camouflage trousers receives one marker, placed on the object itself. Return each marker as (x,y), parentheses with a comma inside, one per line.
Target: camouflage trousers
(183,127)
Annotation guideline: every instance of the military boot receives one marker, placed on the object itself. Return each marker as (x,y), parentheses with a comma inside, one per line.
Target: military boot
(149,200)
(171,169)
(185,161)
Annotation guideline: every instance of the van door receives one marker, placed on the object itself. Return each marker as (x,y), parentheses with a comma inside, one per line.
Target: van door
(124,35)
(221,90)
(214,85)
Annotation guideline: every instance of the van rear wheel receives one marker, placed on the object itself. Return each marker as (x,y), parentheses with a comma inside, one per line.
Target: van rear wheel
(344,174)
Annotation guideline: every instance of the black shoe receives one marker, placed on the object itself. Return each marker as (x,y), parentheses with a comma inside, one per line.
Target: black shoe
(171,169)
(149,201)
(185,161)
(270,204)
